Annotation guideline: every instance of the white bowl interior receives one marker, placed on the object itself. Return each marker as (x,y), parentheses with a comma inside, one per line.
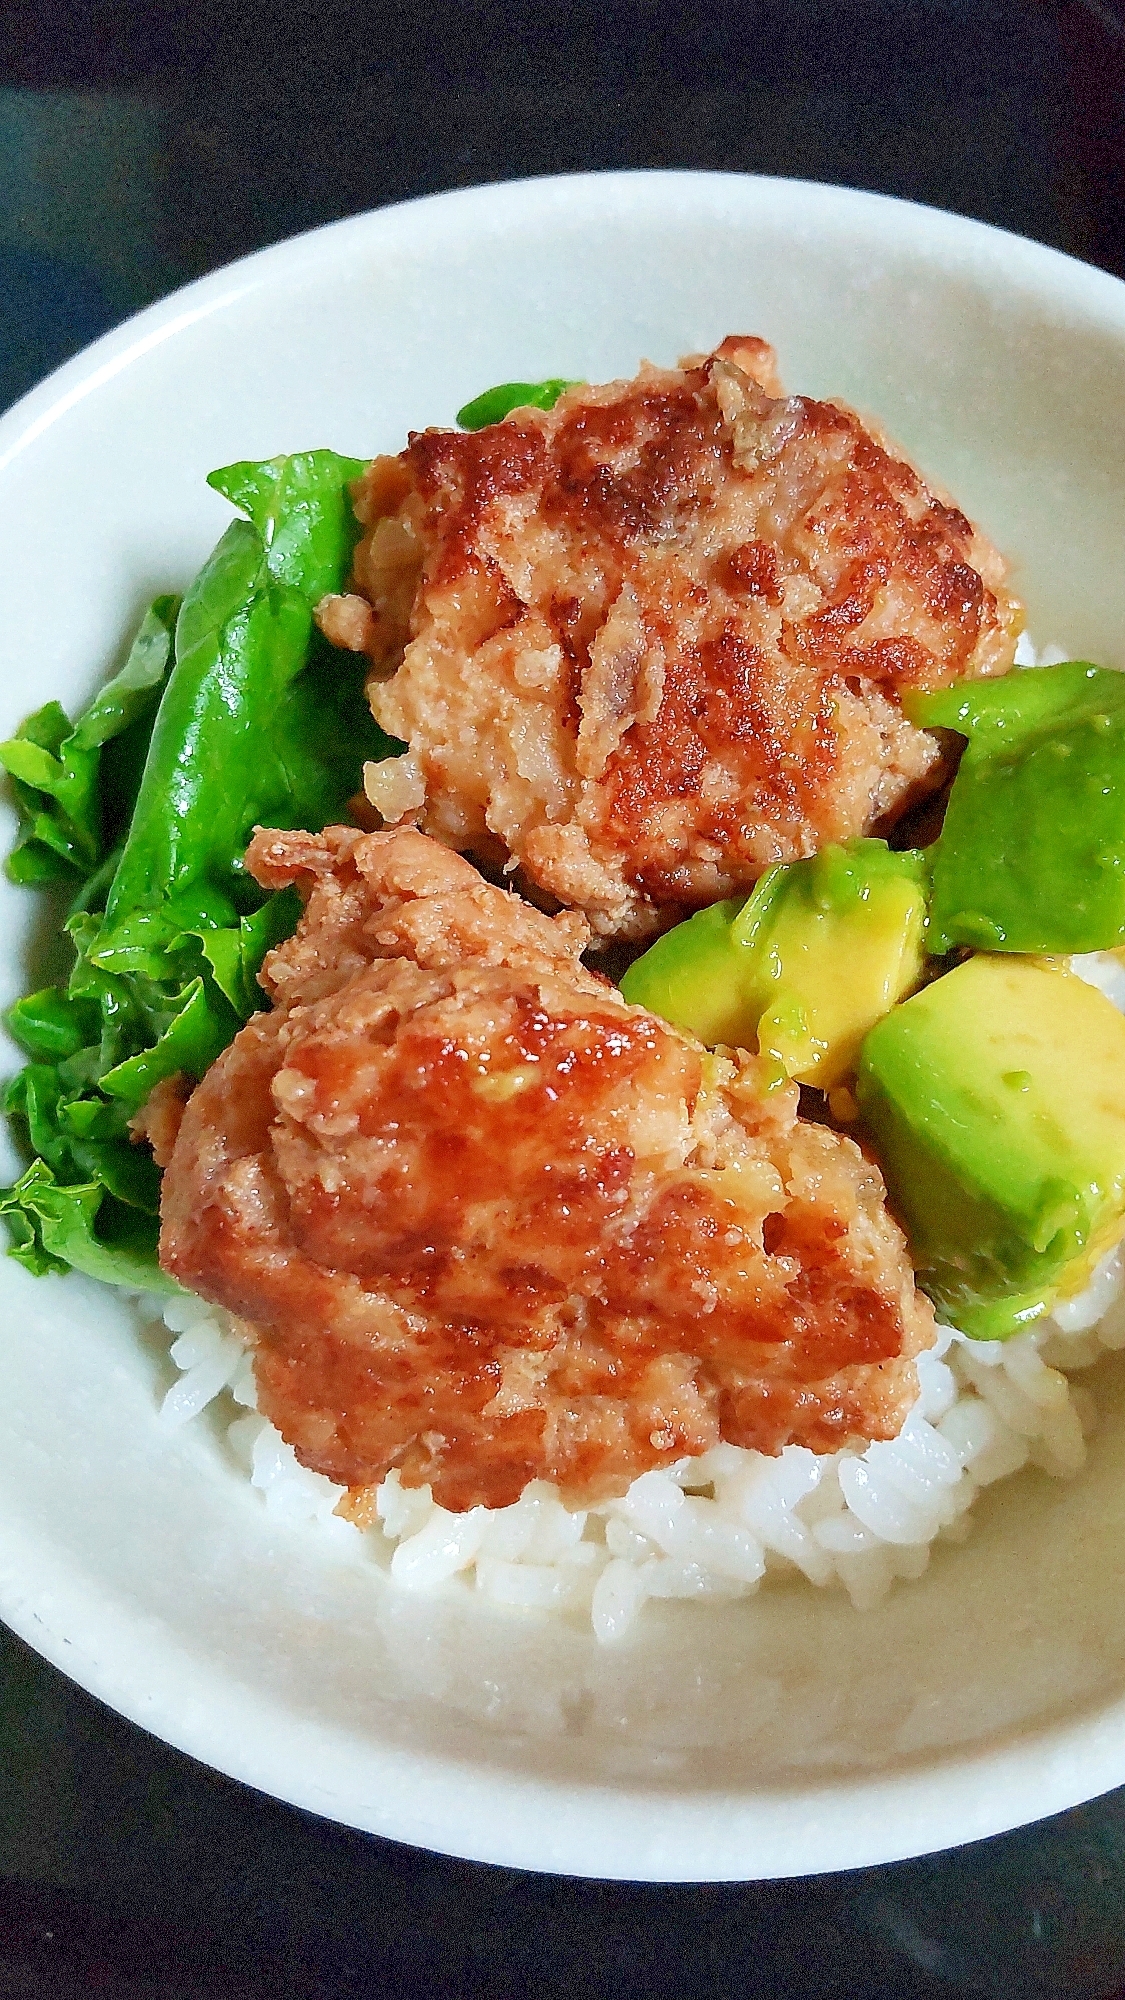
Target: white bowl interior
(783,1735)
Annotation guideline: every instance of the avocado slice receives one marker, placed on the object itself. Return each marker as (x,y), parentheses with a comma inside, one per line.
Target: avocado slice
(803,967)
(1031,856)
(692,976)
(995,1100)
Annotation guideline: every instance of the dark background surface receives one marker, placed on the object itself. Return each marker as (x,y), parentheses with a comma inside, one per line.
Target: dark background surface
(140,147)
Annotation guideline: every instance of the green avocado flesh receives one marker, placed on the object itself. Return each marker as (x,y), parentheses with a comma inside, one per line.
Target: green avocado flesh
(995,1100)
(692,976)
(803,967)
(1032,852)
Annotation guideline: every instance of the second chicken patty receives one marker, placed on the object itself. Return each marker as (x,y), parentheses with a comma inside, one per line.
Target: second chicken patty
(486,1222)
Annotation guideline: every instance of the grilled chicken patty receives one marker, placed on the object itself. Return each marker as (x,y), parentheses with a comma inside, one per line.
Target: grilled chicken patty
(485,1222)
(649,642)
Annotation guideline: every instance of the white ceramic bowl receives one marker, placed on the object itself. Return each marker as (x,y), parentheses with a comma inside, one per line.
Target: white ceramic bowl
(783,1735)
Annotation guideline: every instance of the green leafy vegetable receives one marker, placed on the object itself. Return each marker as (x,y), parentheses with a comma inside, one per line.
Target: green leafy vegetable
(299,506)
(495,404)
(80,1228)
(244,735)
(75,786)
(51,1026)
(235,956)
(256,719)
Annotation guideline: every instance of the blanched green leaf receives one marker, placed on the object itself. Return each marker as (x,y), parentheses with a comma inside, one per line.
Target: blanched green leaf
(129,696)
(128,1171)
(235,956)
(49,1025)
(47,729)
(259,721)
(69,803)
(300,506)
(33,865)
(80,1137)
(191,804)
(495,404)
(200,1030)
(322,734)
(91,894)
(31,1098)
(31,764)
(81,1228)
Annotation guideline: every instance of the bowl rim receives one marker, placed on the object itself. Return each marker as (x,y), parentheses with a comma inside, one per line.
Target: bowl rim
(429,1799)
(24,420)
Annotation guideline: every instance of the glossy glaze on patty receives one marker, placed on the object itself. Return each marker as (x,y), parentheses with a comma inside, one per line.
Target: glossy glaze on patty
(486,1222)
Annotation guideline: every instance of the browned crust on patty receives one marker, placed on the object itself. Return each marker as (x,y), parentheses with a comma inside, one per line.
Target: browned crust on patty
(488,1223)
(656,639)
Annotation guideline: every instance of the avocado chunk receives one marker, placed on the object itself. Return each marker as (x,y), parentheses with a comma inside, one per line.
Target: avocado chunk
(1031,856)
(692,977)
(995,1101)
(803,967)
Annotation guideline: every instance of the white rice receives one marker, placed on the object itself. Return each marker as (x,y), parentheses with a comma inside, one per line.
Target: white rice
(715,1526)
(1028,655)
(721,1525)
